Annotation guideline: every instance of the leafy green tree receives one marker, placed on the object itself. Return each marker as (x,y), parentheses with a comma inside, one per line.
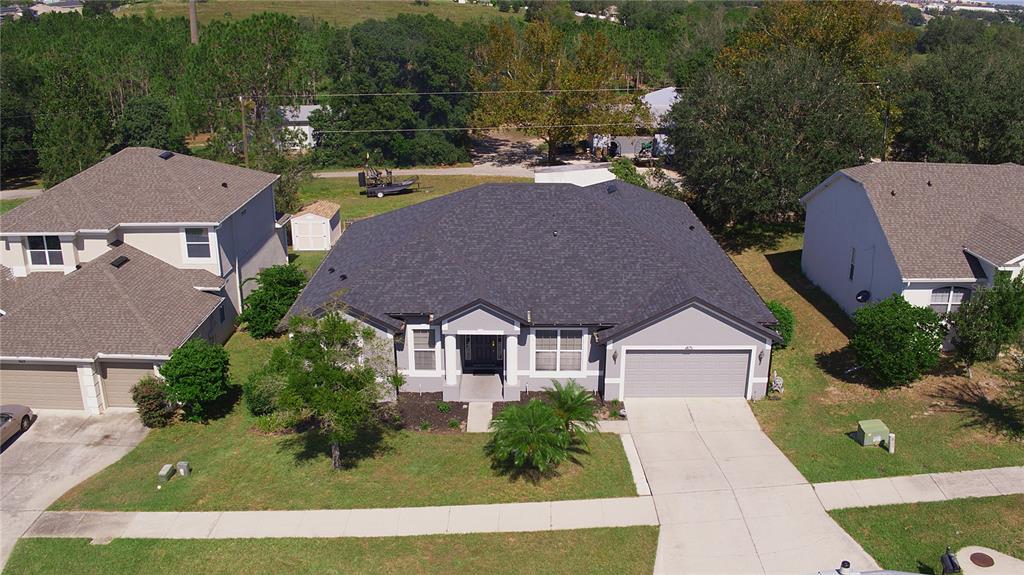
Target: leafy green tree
(19,84)
(264,308)
(326,381)
(991,320)
(528,439)
(76,132)
(150,398)
(895,341)
(786,319)
(553,86)
(751,142)
(197,377)
(261,391)
(625,170)
(147,122)
(574,406)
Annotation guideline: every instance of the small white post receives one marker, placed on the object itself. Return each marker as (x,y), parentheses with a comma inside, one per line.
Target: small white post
(891,444)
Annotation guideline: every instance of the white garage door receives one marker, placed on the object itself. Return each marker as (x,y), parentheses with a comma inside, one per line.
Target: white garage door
(676,373)
(118,380)
(41,386)
(310,236)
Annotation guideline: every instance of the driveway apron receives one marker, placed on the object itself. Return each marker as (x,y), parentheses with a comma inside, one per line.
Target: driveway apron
(728,500)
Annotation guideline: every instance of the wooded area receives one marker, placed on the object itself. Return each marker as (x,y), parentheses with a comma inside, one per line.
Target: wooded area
(774,97)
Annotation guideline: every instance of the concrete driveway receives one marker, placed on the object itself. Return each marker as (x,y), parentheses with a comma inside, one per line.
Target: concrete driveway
(729,502)
(59,451)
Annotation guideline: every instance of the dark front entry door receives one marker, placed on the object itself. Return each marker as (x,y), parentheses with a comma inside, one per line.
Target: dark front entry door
(481,353)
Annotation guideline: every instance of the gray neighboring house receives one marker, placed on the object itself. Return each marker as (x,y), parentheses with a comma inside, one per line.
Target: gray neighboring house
(501,288)
(104,274)
(933,233)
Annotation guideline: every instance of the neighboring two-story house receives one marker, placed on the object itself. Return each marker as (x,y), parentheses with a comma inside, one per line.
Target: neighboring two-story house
(930,232)
(105,273)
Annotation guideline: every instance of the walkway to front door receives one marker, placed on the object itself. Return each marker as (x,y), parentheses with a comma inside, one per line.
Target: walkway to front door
(727,499)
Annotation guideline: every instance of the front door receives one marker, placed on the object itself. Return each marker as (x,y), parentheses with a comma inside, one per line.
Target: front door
(481,354)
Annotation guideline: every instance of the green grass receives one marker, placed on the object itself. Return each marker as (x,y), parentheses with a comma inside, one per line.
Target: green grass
(336,12)
(933,419)
(346,193)
(236,468)
(911,537)
(623,550)
(8,205)
(307,261)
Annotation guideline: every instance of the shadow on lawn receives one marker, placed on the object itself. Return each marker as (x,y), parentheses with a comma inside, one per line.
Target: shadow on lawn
(786,265)
(532,475)
(994,414)
(762,237)
(311,444)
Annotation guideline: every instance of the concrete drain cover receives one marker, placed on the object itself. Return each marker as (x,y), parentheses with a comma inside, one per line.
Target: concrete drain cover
(982,560)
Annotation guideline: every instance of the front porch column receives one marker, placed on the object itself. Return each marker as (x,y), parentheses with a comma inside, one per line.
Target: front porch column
(511,360)
(451,360)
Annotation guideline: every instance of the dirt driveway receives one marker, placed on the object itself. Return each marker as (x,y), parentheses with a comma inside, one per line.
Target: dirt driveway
(59,451)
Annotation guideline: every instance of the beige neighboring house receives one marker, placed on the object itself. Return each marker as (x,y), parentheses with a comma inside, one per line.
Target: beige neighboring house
(105,273)
(933,233)
(316,227)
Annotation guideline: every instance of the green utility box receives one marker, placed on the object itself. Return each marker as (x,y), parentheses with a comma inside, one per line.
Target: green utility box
(871,432)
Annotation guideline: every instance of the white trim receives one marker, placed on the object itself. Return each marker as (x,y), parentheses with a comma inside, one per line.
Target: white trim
(211,240)
(125,356)
(439,367)
(30,359)
(623,353)
(940,280)
(584,352)
(481,332)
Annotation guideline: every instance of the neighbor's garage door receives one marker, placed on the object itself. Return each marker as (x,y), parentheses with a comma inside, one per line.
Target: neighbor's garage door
(118,379)
(41,386)
(672,373)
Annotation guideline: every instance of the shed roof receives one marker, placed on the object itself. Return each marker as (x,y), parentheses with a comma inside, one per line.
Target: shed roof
(321,208)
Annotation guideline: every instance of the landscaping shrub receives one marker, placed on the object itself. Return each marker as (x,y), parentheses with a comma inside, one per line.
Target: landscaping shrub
(261,390)
(896,341)
(444,406)
(990,320)
(528,439)
(197,376)
(264,308)
(623,169)
(150,397)
(278,422)
(786,319)
(574,406)
(454,423)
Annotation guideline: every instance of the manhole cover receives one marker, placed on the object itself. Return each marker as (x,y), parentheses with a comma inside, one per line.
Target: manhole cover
(982,560)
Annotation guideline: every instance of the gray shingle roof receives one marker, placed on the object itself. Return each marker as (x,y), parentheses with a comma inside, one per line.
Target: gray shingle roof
(144,307)
(565,254)
(136,185)
(938,209)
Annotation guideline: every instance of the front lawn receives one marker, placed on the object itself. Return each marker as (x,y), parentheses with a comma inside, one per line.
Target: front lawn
(236,468)
(912,537)
(619,550)
(346,193)
(8,205)
(942,423)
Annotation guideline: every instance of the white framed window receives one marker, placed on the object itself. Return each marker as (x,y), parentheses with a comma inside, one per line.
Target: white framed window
(558,350)
(198,246)
(948,299)
(424,349)
(44,251)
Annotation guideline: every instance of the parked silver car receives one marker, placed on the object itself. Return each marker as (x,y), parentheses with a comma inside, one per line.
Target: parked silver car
(13,418)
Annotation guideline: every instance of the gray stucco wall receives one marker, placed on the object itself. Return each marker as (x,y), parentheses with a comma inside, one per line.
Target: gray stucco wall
(840,219)
(691,326)
(248,242)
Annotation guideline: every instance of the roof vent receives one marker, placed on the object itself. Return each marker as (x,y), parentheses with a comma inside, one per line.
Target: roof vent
(691,227)
(556,233)
(119,261)
(929,183)
(330,270)
(223,184)
(342,277)
(611,188)
(892,193)
(165,155)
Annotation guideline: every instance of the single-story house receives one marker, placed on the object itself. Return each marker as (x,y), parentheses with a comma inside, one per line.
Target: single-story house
(502,288)
(930,232)
(316,227)
(296,120)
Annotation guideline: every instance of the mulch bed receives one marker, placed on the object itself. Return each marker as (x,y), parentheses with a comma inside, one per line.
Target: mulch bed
(605,409)
(420,412)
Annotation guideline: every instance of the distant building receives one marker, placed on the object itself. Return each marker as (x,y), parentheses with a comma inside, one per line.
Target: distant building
(10,12)
(296,119)
(56,7)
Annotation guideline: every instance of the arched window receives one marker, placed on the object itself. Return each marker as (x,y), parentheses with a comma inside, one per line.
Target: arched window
(948,299)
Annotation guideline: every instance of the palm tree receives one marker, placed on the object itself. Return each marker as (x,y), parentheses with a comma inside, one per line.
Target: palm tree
(575,406)
(528,439)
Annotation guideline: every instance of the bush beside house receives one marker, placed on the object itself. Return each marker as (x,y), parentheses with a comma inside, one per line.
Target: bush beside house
(197,377)
(264,308)
(787,321)
(896,341)
(150,397)
(991,320)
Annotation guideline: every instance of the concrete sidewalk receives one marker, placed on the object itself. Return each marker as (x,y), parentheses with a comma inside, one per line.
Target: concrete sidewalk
(508,517)
(919,488)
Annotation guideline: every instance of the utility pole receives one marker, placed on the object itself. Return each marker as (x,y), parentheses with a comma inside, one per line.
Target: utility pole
(193,21)
(245,137)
